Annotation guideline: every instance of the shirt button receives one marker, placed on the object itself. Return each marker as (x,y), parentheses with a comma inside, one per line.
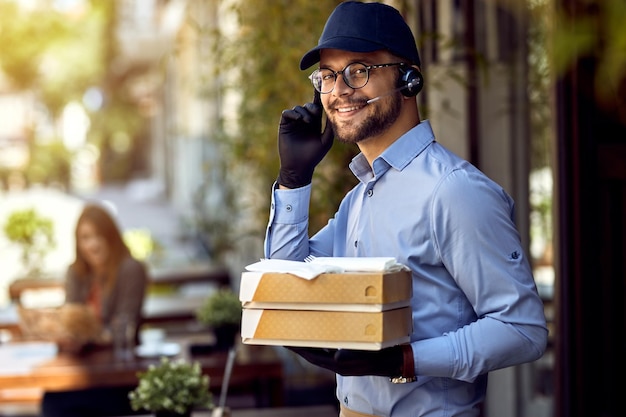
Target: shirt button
(345,400)
(288,207)
(370,192)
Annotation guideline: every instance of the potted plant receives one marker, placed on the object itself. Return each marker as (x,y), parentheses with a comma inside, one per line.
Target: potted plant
(222,312)
(171,388)
(34,234)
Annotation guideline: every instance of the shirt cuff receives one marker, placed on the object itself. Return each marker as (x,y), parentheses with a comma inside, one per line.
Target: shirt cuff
(433,357)
(291,206)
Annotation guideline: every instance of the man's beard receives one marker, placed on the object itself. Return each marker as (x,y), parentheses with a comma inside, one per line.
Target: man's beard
(384,116)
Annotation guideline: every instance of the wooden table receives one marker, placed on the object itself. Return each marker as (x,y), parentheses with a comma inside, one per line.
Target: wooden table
(257,369)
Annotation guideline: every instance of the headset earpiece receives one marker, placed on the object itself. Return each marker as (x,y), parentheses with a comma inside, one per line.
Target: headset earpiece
(411,81)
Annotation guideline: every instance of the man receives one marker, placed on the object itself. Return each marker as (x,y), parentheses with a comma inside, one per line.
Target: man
(475,304)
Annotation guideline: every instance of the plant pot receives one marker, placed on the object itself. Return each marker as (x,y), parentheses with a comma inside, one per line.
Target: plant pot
(167,413)
(225,336)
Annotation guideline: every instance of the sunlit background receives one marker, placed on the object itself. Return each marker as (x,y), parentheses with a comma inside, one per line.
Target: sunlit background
(111,102)
(166,111)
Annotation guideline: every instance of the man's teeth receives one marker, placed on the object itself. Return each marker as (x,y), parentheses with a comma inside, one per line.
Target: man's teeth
(347,109)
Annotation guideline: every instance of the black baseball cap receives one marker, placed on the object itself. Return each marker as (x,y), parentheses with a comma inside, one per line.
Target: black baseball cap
(365,27)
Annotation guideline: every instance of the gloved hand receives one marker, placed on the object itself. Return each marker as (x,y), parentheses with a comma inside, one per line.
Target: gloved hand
(301,143)
(385,362)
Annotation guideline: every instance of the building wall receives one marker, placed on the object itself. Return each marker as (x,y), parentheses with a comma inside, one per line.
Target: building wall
(475,97)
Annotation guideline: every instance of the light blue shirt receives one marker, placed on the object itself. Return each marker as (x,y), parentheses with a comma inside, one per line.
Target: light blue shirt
(475,304)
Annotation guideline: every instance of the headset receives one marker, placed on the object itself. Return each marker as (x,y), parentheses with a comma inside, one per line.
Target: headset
(411,81)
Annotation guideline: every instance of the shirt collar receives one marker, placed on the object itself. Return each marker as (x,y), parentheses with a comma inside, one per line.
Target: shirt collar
(398,155)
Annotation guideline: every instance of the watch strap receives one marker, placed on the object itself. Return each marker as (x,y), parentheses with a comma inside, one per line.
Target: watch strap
(408,367)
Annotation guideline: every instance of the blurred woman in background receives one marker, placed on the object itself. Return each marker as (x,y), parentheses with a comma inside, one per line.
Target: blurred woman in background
(111,283)
(104,275)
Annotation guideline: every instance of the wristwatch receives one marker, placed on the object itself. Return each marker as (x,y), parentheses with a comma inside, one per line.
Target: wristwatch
(403,379)
(408,368)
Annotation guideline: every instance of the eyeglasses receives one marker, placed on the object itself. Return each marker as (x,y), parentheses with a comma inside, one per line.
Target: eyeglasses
(355,75)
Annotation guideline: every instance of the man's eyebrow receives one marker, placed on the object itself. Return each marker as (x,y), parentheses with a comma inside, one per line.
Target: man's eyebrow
(363,61)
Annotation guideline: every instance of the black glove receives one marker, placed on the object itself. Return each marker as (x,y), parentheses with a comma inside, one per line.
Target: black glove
(301,144)
(388,362)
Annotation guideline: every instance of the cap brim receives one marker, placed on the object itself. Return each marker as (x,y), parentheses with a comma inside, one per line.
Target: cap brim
(343,43)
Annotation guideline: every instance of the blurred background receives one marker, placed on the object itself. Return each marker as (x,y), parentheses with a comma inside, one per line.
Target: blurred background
(167,111)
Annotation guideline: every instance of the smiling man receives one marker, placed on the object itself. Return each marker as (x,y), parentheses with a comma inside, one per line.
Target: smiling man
(475,305)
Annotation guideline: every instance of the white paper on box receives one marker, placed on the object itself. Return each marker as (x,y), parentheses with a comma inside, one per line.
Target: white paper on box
(359,264)
(300,269)
(358,291)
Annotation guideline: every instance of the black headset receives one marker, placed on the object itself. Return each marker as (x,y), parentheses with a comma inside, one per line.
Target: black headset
(411,81)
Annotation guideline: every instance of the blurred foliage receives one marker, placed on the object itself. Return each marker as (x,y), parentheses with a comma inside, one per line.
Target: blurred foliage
(217,225)
(56,55)
(594,30)
(34,234)
(142,245)
(171,388)
(541,127)
(78,61)
(220,308)
(50,163)
(266,53)
(539,85)
(59,56)
(25,37)
(116,128)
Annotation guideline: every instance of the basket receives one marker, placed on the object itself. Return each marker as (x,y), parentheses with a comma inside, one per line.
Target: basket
(69,322)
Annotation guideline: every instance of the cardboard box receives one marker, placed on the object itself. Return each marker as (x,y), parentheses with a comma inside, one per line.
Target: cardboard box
(351,291)
(327,329)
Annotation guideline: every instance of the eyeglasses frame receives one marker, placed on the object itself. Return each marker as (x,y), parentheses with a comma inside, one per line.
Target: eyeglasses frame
(368,68)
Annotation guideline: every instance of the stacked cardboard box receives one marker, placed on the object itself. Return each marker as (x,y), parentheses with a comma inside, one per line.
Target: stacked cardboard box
(355,310)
